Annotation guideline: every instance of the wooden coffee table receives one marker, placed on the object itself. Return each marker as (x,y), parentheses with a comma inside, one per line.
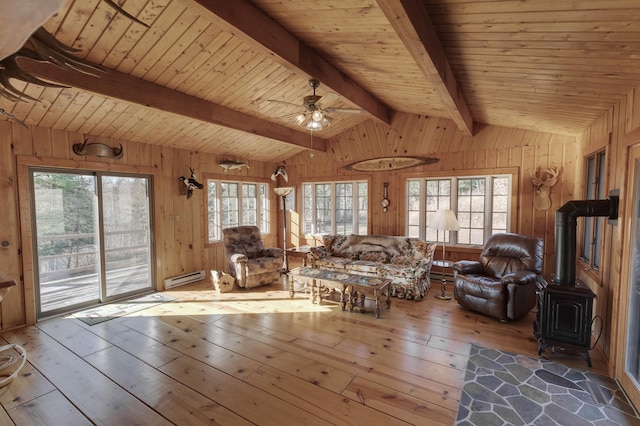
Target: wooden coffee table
(319,281)
(306,276)
(360,286)
(353,288)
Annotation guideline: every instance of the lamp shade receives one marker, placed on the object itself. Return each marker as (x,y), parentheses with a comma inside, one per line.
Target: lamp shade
(314,125)
(444,220)
(317,115)
(326,121)
(283,191)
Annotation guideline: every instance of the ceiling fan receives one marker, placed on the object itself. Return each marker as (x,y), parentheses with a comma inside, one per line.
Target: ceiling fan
(314,114)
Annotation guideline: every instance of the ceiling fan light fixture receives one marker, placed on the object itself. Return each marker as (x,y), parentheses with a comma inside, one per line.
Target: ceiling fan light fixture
(317,115)
(300,118)
(314,125)
(314,115)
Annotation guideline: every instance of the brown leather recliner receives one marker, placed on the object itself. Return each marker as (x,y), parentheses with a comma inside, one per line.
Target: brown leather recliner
(502,284)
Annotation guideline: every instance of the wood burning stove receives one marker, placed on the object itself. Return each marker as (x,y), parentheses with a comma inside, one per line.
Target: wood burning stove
(563,318)
(564,305)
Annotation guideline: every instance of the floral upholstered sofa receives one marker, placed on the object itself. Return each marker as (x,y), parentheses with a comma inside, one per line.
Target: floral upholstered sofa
(406,261)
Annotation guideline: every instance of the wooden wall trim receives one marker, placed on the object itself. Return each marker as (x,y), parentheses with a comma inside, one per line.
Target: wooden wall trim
(24,207)
(631,137)
(342,178)
(514,171)
(597,145)
(30,161)
(236,178)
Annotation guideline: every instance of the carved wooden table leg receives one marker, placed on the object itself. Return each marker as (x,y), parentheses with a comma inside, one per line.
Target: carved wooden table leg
(304,280)
(343,297)
(376,295)
(353,299)
(291,289)
(388,297)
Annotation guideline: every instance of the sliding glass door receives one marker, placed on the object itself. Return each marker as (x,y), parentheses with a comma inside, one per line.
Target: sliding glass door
(628,371)
(93,239)
(67,239)
(126,229)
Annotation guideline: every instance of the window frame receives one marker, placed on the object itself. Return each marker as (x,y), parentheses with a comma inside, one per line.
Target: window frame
(452,237)
(592,228)
(356,209)
(263,205)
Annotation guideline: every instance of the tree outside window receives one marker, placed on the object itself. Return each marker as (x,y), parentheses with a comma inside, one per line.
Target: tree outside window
(335,208)
(236,204)
(481,204)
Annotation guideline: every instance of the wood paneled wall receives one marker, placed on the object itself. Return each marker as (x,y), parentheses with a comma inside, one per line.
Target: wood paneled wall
(180,223)
(491,148)
(616,131)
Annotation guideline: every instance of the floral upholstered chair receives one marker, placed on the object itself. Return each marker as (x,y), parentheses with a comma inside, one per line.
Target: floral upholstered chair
(248,260)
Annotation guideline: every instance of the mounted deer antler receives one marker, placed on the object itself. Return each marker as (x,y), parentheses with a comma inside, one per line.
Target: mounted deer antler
(543,180)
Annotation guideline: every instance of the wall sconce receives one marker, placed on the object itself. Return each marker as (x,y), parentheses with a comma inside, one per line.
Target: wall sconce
(543,180)
(385,199)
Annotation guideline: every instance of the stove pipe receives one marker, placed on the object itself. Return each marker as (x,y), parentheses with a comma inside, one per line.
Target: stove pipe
(565,250)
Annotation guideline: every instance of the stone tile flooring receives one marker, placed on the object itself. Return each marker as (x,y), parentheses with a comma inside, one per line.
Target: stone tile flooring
(506,389)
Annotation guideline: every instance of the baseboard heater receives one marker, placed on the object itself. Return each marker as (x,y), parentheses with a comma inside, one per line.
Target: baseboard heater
(184,279)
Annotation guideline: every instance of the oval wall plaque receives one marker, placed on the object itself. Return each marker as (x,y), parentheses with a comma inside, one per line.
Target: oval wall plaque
(389,163)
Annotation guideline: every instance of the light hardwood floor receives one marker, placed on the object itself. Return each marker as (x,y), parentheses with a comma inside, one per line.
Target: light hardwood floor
(256,357)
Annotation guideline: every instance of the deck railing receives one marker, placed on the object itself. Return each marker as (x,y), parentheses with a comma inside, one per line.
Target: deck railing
(128,248)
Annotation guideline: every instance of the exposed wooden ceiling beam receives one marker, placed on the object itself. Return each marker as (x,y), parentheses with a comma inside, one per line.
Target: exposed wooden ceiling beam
(411,21)
(124,87)
(244,18)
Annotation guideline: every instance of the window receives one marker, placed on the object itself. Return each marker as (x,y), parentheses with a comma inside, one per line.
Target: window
(349,214)
(594,190)
(236,204)
(481,204)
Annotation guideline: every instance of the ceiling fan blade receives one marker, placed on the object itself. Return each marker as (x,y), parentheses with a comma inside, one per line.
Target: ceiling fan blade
(284,102)
(287,116)
(344,110)
(329,98)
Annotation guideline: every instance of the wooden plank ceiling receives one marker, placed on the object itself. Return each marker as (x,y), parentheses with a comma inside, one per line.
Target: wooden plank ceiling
(203,75)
